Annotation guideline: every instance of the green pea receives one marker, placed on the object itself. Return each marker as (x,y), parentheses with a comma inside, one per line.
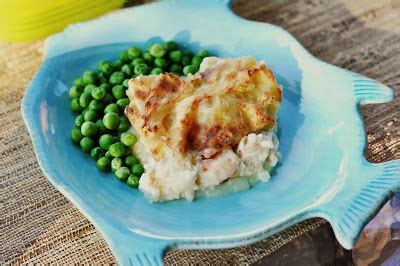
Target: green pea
(118,64)
(186,60)
(122,173)
(133,181)
(100,126)
(75,105)
(116,163)
(148,58)
(108,98)
(118,92)
(96,153)
(123,56)
(101,78)
(117,149)
(137,169)
(79,120)
(137,61)
(103,164)
(89,77)
(124,124)
(125,83)
(112,107)
(134,52)
(141,69)
(85,99)
(175,68)
(127,70)
(156,71)
(84,111)
(87,144)
(131,160)
(79,82)
(105,141)
(99,92)
(75,91)
(105,86)
(122,103)
(95,105)
(160,62)
(108,155)
(171,45)
(191,69)
(157,50)
(175,56)
(128,139)
(197,60)
(89,88)
(116,78)
(90,115)
(111,120)
(105,67)
(188,53)
(203,53)
(76,135)
(89,129)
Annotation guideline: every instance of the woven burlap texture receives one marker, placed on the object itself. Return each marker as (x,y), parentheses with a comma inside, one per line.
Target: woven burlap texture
(39,225)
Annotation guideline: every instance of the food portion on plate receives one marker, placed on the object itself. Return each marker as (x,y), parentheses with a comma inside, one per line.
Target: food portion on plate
(197,132)
(174,123)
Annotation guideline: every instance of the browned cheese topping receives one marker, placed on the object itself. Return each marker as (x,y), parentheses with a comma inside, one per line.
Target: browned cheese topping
(207,112)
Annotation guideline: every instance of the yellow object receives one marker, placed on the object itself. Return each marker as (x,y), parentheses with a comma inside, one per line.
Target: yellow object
(25,20)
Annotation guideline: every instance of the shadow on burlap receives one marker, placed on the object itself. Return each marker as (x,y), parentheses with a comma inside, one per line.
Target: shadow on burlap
(39,225)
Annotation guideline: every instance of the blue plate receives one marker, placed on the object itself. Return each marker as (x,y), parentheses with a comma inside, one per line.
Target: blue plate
(323,172)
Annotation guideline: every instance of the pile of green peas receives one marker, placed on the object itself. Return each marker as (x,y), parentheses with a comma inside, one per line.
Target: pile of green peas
(99,99)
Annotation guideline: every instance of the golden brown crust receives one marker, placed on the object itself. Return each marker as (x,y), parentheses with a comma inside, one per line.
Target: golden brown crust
(212,109)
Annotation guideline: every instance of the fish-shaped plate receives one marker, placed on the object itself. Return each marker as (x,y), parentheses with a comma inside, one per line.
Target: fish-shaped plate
(322,173)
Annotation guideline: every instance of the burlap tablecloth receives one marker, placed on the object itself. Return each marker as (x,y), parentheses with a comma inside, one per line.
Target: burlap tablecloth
(39,225)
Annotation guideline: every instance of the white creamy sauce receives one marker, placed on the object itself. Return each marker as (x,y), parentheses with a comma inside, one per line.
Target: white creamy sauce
(254,150)
(214,171)
(169,178)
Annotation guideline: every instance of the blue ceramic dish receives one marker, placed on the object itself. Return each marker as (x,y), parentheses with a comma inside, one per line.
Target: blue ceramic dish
(323,172)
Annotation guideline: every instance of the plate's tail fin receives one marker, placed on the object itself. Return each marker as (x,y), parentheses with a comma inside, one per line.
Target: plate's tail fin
(353,213)
(367,90)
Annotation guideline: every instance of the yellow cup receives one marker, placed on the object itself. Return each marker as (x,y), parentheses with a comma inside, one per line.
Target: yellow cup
(25,20)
